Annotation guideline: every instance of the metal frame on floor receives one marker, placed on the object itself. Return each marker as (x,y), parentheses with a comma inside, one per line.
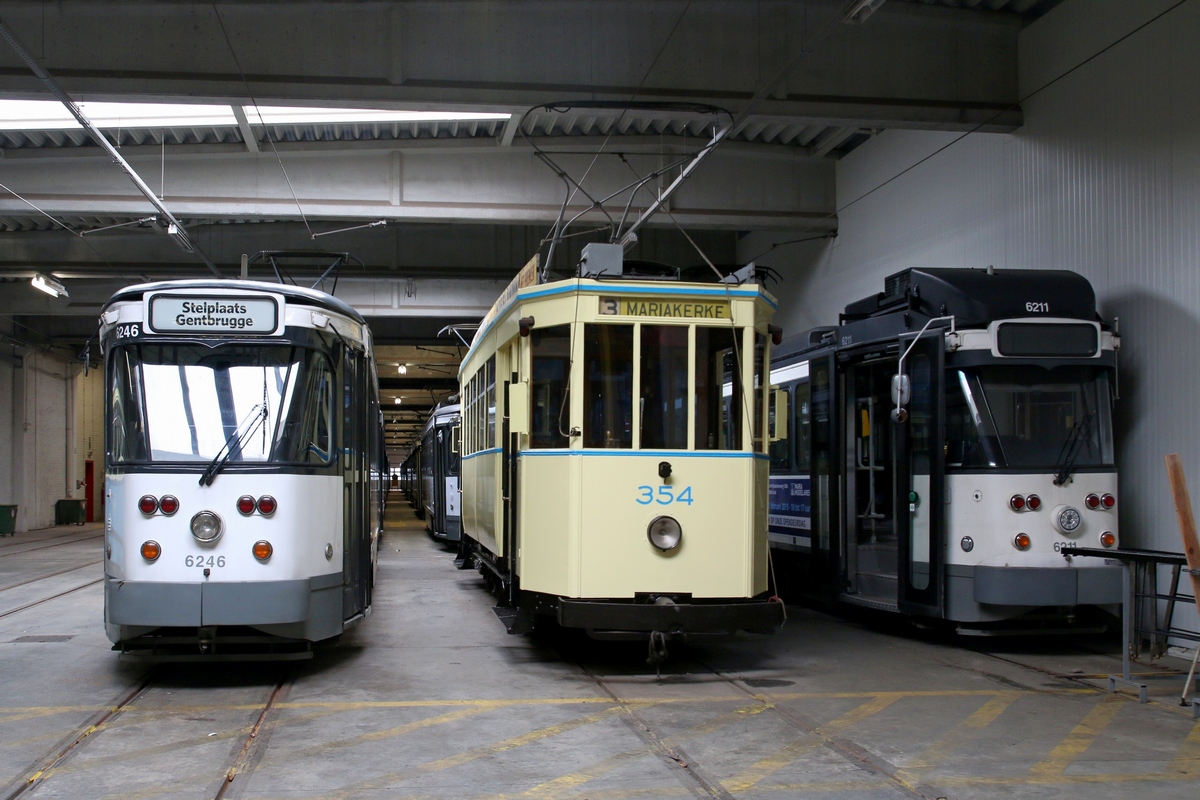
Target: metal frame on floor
(1142,597)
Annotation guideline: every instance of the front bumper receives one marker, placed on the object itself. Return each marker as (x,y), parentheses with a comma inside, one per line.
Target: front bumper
(673,619)
(1046,586)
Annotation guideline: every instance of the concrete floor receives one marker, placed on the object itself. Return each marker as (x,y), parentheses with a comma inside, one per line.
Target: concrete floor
(431,698)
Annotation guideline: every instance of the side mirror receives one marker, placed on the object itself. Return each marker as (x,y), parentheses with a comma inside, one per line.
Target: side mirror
(518,407)
(779,430)
(901,390)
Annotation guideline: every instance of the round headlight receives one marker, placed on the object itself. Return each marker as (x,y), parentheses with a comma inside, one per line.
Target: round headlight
(664,533)
(1067,519)
(206,526)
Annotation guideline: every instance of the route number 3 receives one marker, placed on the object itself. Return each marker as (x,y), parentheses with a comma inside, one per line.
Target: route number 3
(665,495)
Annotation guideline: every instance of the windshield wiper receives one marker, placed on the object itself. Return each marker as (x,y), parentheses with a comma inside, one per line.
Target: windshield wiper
(257,416)
(1070,449)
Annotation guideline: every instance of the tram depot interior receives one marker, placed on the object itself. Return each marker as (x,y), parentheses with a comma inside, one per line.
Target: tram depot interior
(426,151)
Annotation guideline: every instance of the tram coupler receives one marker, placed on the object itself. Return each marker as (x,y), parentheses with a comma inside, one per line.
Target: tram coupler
(657,652)
(205,638)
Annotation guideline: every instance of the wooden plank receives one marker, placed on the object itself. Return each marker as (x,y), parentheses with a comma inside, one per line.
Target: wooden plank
(1187,522)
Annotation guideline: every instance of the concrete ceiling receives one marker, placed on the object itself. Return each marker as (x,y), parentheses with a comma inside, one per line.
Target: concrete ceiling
(466,204)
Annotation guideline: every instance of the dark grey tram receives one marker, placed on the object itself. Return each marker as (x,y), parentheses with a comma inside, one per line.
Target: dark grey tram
(440,498)
(951,441)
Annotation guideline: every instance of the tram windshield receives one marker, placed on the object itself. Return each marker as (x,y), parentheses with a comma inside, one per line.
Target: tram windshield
(181,402)
(1028,418)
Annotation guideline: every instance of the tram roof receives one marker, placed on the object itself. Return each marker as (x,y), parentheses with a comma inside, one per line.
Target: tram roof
(975,297)
(978,296)
(309,297)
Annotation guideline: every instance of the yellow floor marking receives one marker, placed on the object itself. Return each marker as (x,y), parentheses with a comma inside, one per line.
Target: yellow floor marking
(399,730)
(1187,758)
(467,756)
(958,736)
(759,770)
(146,707)
(1080,739)
(558,786)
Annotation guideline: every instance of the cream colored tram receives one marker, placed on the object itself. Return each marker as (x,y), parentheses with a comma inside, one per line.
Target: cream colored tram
(614,461)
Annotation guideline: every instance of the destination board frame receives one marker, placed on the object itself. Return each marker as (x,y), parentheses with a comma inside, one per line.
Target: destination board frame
(277,313)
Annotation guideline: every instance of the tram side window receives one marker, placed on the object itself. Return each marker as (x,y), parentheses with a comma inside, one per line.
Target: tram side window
(718,390)
(781,449)
(608,386)
(128,426)
(802,426)
(305,431)
(551,367)
(760,355)
(490,400)
(664,386)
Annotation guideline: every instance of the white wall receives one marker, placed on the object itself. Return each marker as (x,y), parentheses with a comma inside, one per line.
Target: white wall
(1103,179)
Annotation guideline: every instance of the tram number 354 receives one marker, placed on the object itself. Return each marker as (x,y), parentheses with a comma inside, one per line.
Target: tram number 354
(664,496)
(201,561)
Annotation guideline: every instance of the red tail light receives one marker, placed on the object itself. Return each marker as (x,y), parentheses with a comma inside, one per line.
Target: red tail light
(245,505)
(148,504)
(1016,502)
(1033,502)
(266,505)
(1107,500)
(169,504)
(1092,501)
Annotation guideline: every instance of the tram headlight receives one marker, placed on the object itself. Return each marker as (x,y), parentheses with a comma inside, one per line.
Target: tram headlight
(664,533)
(206,526)
(151,550)
(1067,519)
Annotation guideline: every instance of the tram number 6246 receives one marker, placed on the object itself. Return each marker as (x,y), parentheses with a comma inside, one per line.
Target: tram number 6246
(665,496)
(201,561)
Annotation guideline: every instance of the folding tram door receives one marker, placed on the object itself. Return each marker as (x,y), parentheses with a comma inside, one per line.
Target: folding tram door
(356,470)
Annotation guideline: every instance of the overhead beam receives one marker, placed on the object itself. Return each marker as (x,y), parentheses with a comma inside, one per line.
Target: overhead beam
(910,65)
(735,189)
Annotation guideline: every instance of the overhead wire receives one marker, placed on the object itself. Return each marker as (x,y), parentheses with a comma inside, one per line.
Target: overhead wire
(258,112)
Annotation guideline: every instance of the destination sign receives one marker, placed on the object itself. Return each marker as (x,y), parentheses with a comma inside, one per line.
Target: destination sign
(175,313)
(661,307)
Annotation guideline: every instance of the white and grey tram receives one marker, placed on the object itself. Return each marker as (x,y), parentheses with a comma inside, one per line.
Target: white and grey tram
(440,496)
(245,469)
(951,442)
(606,484)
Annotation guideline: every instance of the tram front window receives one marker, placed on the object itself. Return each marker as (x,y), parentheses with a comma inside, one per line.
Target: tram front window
(1028,417)
(173,403)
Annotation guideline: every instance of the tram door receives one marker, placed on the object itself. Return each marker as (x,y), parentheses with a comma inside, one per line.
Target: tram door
(355,453)
(920,481)
(870,545)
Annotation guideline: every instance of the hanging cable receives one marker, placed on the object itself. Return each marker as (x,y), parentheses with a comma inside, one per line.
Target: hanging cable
(266,130)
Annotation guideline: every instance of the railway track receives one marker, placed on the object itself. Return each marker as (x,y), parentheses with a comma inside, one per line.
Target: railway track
(40,544)
(237,766)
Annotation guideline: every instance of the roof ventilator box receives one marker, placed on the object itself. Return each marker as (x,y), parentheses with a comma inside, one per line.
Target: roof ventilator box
(602,260)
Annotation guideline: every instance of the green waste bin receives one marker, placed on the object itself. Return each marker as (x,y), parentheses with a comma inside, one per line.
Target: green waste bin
(8,520)
(70,511)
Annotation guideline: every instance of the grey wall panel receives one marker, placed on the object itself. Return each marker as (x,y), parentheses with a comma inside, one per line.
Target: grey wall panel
(1103,179)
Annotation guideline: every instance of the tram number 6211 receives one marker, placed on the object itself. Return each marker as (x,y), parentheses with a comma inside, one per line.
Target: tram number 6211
(201,561)
(665,496)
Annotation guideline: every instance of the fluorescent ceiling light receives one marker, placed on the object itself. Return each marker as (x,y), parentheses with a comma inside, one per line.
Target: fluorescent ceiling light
(49,286)
(43,115)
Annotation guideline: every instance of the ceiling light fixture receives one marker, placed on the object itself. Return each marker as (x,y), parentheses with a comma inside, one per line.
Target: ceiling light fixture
(48,285)
(403,369)
(398,399)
